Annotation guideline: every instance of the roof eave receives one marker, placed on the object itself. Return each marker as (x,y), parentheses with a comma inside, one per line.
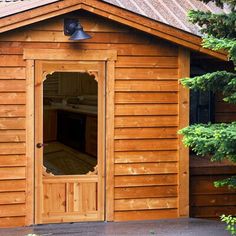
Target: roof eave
(114,13)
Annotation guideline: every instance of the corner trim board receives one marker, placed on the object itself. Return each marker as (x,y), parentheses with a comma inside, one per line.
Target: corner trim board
(184,71)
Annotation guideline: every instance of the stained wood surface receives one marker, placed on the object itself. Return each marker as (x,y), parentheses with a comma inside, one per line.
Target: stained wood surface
(110,12)
(224,112)
(146,192)
(67,198)
(142,114)
(61,197)
(184,114)
(207,201)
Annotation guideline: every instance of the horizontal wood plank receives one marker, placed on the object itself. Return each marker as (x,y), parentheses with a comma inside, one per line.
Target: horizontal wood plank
(205,185)
(90,24)
(145,180)
(224,169)
(12,61)
(12,136)
(12,123)
(146,156)
(145,121)
(146,144)
(146,168)
(146,192)
(145,97)
(10,49)
(146,86)
(146,215)
(224,107)
(12,148)
(225,117)
(12,185)
(12,160)
(12,85)
(145,204)
(6,222)
(58,36)
(214,200)
(144,109)
(151,62)
(143,133)
(12,173)
(144,73)
(12,198)
(12,110)
(12,73)
(12,98)
(153,49)
(13,210)
(212,211)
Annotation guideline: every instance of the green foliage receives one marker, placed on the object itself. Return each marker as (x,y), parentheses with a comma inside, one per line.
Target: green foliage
(231,223)
(216,25)
(216,44)
(220,81)
(230,182)
(216,140)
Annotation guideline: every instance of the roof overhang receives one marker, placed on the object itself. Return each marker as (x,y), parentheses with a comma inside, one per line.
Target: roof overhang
(111,12)
(15,7)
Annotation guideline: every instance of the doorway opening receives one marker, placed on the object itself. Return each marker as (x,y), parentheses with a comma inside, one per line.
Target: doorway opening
(70,141)
(70,105)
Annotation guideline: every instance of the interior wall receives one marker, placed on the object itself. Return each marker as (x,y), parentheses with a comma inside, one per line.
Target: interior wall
(69,84)
(146,117)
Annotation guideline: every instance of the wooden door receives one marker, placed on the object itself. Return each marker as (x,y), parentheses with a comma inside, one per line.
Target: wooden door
(68,198)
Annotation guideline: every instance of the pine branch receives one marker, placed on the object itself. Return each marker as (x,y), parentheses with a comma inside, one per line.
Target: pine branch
(217,25)
(220,81)
(216,44)
(230,182)
(217,140)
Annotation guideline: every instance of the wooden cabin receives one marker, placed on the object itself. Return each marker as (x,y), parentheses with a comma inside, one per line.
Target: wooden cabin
(88,129)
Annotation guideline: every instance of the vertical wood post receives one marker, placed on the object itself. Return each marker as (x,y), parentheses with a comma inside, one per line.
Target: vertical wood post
(184,71)
(38,139)
(30,142)
(110,140)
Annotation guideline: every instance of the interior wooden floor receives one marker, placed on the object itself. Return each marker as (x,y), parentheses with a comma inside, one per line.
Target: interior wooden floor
(60,159)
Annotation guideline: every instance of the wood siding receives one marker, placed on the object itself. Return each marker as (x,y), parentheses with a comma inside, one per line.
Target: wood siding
(207,201)
(146,117)
(224,112)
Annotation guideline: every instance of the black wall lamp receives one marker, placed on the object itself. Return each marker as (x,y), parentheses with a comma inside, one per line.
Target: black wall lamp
(73,28)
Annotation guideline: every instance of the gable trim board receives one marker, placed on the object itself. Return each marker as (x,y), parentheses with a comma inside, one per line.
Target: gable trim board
(113,13)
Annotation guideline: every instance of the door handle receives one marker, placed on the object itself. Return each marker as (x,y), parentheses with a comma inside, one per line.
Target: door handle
(39,145)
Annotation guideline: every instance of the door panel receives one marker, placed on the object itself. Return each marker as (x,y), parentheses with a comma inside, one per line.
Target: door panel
(69,198)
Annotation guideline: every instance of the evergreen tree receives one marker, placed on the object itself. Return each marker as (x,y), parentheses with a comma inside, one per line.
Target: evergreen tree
(216,140)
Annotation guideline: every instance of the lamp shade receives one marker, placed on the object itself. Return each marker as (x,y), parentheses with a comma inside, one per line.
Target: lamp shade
(79,34)
(73,28)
